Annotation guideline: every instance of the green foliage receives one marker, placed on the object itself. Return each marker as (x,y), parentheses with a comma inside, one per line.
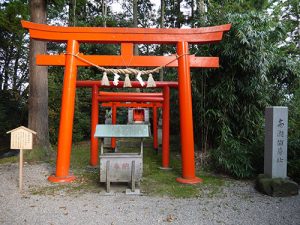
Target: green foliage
(11,14)
(9,160)
(233,157)
(54,101)
(81,126)
(13,68)
(13,113)
(231,101)
(294,137)
(289,14)
(237,6)
(12,110)
(36,155)
(13,45)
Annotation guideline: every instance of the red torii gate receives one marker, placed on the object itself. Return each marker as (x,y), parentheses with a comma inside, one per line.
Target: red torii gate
(155,98)
(73,36)
(153,106)
(96,85)
(140,103)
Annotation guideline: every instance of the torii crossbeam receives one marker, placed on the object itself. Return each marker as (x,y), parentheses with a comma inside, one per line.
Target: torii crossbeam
(74,36)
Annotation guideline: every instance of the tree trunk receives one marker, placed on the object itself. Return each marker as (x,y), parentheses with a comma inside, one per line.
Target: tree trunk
(104,12)
(16,66)
(162,25)
(298,28)
(6,68)
(192,19)
(38,82)
(135,23)
(201,10)
(72,12)
(178,13)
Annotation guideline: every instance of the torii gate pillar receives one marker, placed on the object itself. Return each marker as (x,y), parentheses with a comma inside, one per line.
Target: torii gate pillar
(66,117)
(186,116)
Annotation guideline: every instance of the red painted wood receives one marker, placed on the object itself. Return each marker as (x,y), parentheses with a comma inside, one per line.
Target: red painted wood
(132,105)
(128,61)
(133,35)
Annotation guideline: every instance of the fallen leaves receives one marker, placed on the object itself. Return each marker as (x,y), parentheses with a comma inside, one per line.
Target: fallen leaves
(170,218)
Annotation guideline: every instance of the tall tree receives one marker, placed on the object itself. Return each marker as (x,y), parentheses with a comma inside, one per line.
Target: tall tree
(38,82)
(289,14)
(135,22)
(162,25)
(201,9)
(13,51)
(104,12)
(72,13)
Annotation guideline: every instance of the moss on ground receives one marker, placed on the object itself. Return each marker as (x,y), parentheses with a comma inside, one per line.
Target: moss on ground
(156,182)
(163,182)
(9,160)
(31,156)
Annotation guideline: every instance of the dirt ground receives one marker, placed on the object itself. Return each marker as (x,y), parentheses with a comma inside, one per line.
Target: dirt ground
(238,203)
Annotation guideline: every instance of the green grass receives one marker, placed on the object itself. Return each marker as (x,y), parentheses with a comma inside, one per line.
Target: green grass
(163,182)
(9,160)
(156,182)
(36,155)
(87,178)
(31,156)
(80,156)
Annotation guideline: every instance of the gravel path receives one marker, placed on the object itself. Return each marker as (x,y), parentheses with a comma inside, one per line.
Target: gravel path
(237,204)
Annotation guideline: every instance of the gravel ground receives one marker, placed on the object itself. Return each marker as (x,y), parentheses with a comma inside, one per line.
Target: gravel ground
(238,203)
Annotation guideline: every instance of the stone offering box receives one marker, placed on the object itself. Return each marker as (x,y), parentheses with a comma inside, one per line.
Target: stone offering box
(122,167)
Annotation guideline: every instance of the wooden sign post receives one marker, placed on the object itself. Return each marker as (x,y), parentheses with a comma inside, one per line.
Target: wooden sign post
(21,138)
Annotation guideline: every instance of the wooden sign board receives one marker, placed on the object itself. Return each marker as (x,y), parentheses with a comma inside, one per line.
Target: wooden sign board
(21,138)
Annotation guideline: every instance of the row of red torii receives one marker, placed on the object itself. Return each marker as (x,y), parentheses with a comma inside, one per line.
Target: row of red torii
(127,37)
(114,99)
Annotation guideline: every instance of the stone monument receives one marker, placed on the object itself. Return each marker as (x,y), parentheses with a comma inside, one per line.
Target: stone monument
(276,128)
(274,181)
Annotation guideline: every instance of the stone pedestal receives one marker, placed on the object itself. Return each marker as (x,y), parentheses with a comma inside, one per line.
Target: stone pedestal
(276,187)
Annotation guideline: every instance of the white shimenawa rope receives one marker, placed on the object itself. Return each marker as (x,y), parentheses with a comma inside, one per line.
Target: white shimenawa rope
(126,72)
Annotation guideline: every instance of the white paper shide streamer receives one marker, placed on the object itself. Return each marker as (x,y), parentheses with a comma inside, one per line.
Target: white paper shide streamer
(105,81)
(151,81)
(140,79)
(127,82)
(116,79)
